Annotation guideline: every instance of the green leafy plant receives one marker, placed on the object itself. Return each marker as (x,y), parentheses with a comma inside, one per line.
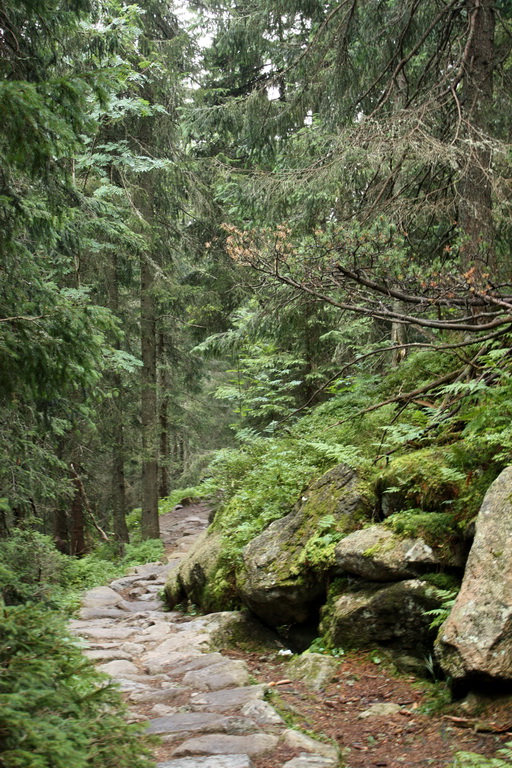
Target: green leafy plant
(474,760)
(447,598)
(57,710)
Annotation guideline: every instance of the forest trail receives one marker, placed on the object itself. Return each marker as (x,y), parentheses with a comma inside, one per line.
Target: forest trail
(201,702)
(209,712)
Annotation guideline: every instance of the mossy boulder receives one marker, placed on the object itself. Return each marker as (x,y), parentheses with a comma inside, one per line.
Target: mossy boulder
(285,569)
(242,630)
(365,615)
(377,554)
(314,670)
(191,580)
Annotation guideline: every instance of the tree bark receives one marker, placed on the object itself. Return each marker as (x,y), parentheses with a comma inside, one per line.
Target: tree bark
(118,478)
(475,189)
(163,409)
(77,532)
(150,526)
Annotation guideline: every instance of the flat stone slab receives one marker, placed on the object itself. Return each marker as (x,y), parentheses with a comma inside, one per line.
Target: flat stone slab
(101,613)
(182,642)
(104,633)
(107,654)
(134,649)
(119,668)
(229,698)
(124,582)
(298,740)
(219,761)
(262,713)
(150,571)
(101,596)
(192,663)
(227,674)
(144,695)
(381,709)
(141,606)
(306,760)
(221,744)
(205,722)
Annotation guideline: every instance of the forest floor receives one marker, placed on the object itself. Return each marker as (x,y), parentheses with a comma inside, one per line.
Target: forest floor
(422,734)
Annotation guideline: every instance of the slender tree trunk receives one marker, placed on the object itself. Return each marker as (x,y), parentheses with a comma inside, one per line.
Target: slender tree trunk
(118,485)
(150,527)
(163,418)
(118,477)
(475,207)
(77,532)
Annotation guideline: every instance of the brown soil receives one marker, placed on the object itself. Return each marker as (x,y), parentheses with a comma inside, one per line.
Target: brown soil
(416,736)
(423,733)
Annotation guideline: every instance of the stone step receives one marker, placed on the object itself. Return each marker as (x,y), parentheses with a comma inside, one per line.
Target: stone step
(200,702)
(226,674)
(219,761)
(306,760)
(190,723)
(229,698)
(222,744)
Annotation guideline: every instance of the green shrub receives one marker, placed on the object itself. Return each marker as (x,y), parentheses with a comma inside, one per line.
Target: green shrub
(434,527)
(57,710)
(474,760)
(30,567)
(424,479)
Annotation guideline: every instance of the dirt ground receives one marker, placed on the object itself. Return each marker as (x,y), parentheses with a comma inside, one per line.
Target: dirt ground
(424,733)
(417,736)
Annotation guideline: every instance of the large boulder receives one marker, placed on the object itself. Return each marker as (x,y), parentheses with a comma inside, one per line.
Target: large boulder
(394,616)
(192,580)
(377,554)
(475,642)
(284,574)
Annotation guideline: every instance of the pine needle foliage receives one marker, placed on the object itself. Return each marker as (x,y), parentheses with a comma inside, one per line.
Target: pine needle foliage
(57,710)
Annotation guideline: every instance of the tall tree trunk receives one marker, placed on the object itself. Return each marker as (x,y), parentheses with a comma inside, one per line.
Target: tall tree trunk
(163,418)
(118,485)
(150,527)
(475,207)
(77,532)
(118,477)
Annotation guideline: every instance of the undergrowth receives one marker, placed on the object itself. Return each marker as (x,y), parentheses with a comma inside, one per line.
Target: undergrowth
(474,760)
(57,710)
(32,569)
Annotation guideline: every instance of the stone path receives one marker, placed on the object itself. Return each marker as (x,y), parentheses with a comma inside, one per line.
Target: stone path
(200,702)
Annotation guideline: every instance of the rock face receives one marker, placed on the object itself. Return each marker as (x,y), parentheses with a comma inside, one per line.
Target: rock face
(378,554)
(188,582)
(278,582)
(475,643)
(369,615)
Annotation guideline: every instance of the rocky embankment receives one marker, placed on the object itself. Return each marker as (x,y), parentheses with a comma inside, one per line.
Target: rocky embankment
(200,701)
(363,572)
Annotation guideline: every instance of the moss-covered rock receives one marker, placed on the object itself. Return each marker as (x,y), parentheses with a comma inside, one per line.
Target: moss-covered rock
(240,629)
(377,554)
(365,615)
(284,573)
(193,578)
(313,669)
